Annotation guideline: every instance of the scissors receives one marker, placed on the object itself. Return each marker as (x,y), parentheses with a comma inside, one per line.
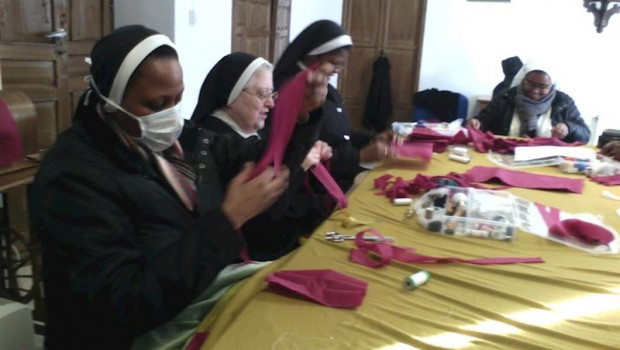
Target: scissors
(337,237)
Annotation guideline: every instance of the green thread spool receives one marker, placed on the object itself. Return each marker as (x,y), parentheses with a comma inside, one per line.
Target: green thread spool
(419,278)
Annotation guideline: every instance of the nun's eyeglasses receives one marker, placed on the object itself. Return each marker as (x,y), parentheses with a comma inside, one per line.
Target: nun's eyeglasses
(263,96)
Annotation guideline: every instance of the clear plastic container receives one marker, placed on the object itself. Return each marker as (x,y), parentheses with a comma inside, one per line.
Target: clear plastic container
(469,212)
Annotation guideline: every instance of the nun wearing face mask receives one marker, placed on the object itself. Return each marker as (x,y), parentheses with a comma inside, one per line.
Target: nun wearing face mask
(326,41)
(127,243)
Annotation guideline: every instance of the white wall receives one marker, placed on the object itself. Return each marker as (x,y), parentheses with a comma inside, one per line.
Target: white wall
(156,14)
(465,42)
(304,12)
(201,29)
(202,38)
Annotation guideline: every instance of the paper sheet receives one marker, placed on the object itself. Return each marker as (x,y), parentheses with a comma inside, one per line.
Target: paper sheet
(537,152)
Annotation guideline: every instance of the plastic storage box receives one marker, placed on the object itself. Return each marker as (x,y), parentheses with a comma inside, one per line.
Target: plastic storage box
(470,212)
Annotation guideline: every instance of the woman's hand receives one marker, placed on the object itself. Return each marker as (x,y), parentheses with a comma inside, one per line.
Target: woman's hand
(246,199)
(474,123)
(375,151)
(612,149)
(559,130)
(315,91)
(319,152)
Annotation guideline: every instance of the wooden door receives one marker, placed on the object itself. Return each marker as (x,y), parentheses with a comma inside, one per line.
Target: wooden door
(261,27)
(252,27)
(42,48)
(281,28)
(394,27)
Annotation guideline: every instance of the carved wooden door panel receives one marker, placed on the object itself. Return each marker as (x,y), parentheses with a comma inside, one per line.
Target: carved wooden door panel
(252,27)
(281,28)
(394,27)
(42,48)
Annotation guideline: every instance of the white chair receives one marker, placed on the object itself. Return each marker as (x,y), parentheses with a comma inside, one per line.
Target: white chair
(17,329)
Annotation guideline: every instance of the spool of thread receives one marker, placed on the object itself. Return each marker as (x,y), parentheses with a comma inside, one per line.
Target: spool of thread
(402,201)
(460,159)
(429,212)
(459,151)
(417,279)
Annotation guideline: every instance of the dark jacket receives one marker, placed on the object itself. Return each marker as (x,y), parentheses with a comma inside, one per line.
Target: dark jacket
(276,232)
(379,100)
(497,115)
(510,67)
(345,142)
(121,253)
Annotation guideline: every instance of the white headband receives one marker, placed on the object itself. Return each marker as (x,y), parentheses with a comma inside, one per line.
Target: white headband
(335,43)
(245,77)
(131,62)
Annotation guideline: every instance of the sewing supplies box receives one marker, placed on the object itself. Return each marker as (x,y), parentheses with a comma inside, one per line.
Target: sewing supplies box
(468,212)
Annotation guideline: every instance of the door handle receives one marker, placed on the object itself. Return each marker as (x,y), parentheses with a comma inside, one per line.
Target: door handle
(59,34)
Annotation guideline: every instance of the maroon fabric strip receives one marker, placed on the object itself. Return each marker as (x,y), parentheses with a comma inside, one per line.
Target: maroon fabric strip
(523,179)
(387,252)
(583,231)
(321,173)
(609,180)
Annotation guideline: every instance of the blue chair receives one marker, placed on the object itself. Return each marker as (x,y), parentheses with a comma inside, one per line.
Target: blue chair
(438,106)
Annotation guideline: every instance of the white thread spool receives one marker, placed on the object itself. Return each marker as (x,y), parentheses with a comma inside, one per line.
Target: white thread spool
(460,159)
(459,151)
(417,279)
(402,201)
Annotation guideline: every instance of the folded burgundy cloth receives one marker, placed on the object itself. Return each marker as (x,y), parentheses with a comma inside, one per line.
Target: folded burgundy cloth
(416,150)
(582,230)
(387,252)
(326,287)
(608,180)
(524,179)
(482,141)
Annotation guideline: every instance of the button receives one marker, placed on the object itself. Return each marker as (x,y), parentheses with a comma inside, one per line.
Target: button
(205,141)
(203,153)
(201,166)
(346,137)
(338,109)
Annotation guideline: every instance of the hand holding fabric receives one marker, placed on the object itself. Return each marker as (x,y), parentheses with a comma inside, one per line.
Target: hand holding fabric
(612,149)
(315,90)
(559,130)
(474,123)
(246,199)
(375,151)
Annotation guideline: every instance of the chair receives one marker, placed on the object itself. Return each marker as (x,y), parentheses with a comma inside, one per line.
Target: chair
(439,106)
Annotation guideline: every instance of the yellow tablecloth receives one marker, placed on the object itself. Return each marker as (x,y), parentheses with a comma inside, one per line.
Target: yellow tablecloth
(572,301)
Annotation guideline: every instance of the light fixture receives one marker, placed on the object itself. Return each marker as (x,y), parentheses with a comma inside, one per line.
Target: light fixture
(601,12)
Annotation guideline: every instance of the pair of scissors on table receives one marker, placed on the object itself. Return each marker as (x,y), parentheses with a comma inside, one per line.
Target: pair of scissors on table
(338,237)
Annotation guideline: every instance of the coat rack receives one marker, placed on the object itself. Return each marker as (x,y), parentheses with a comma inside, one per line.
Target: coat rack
(601,11)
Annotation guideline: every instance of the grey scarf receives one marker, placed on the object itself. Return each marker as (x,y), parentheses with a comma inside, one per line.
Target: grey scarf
(529,110)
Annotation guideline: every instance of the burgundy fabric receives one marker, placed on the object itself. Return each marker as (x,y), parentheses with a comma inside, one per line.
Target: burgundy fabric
(10,143)
(284,118)
(321,173)
(326,287)
(607,180)
(584,231)
(197,340)
(523,179)
(387,252)
(416,150)
(482,141)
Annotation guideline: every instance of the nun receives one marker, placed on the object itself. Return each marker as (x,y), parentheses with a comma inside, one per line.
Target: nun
(326,41)
(533,107)
(235,99)
(126,243)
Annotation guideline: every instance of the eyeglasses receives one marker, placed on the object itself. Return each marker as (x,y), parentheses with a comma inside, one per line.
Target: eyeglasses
(263,96)
(532,85)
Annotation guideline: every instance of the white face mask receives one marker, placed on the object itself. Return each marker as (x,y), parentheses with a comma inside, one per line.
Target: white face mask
(159,130)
